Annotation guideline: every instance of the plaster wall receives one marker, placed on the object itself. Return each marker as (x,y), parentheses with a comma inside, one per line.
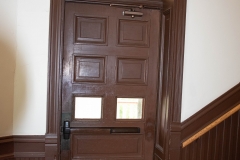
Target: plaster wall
(7,64)
(212,52)
(211,64)
(30,83)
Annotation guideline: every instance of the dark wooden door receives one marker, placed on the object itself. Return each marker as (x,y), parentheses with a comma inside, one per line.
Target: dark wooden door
(109,82)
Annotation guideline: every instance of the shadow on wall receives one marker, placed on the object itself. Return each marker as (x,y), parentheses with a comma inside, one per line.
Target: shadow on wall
(7,87)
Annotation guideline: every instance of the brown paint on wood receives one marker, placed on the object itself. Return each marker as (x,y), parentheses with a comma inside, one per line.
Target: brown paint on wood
(22,147)
(221,120)
(55,50)
(6,147)
(169,128)
(211,112)
(110,57)
(153,4)
(210,126)
(221,142)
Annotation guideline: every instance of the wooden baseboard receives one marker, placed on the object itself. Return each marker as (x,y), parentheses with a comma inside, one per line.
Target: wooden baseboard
(7,157)
(6,147)
(17,147)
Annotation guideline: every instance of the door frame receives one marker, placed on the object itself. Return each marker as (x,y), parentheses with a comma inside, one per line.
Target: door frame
(172,129)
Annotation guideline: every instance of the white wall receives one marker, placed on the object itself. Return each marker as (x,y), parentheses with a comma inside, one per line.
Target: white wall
(212,52)
(30,85)
(24,26)
(7,64)
(211,65)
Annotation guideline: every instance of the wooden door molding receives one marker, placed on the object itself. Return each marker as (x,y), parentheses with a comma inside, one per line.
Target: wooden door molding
(54,80)
(175,72)
(176,53)
(170,86)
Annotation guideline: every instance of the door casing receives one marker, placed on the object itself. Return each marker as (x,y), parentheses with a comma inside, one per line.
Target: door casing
(177,9)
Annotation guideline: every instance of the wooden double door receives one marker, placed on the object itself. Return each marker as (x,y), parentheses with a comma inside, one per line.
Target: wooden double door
(109,82)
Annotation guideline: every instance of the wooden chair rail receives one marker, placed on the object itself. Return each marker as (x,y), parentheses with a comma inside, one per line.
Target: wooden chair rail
(210,126)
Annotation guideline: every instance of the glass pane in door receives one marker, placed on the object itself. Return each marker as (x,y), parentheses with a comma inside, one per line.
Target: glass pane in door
(129,108)
(88,107)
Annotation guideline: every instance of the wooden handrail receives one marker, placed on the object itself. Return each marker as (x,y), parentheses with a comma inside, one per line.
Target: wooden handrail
(210,126)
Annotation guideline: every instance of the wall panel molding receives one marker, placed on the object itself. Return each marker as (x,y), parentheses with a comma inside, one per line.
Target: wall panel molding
(22,147)
(211,126)
(211,112)
(221,141)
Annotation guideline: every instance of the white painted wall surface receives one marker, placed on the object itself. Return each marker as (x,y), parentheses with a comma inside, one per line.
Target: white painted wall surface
(212,52)
(8,9)
(30,85)
(211,65)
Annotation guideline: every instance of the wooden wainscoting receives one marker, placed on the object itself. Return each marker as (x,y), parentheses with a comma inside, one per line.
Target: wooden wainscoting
(22,148)
(220,143)
(213,133)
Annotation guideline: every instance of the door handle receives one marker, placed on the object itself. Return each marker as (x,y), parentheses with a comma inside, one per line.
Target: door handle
(105,130)
(66,130)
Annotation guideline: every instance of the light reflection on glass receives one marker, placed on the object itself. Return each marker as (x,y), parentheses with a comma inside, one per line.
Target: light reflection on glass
(88,107)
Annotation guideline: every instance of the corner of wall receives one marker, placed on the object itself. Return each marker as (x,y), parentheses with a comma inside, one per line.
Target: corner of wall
(8,27)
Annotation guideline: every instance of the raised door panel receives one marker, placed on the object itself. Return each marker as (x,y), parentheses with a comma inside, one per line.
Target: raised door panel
(106,146)
(89,69)
(133,33)
(90,30)
(132,71)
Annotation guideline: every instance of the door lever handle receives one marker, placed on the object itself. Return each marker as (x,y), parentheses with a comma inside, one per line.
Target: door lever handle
(66,130)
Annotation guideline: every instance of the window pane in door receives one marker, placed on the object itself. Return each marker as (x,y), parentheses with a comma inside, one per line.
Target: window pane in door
(88,107)
(129,108)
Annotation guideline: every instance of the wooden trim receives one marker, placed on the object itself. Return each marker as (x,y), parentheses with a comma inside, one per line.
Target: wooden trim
(6,147)
(177,52)
(221,142)
(29,154)
(6,139)
(22,146)
(174,88)
(210,126)
(54,77)
(54,80)
(210,113)
(161,141)
(172,80)
(29,146)
(29,139)
(153,4)
(6,156)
